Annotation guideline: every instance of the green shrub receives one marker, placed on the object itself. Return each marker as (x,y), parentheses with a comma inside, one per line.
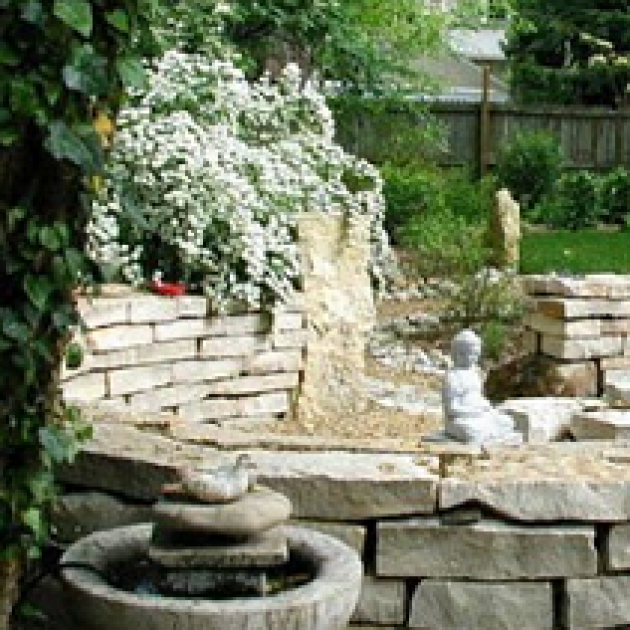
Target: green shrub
(529,167)
(409,190)
(578,201)
(616,197)
(415,189)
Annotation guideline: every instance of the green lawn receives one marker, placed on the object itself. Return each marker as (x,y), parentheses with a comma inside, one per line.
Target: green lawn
(584,251)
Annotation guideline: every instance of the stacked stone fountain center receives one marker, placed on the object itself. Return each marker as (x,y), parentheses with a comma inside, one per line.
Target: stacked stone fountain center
(218,534)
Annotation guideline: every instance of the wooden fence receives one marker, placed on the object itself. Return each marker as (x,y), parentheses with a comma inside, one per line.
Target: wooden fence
(474,133)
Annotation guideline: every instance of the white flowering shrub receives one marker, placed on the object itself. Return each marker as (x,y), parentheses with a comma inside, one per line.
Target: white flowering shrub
(208,173)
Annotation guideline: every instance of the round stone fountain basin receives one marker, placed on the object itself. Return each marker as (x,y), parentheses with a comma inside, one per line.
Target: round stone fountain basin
(325,603)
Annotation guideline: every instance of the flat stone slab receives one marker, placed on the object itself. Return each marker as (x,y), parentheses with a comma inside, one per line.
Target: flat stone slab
(608,424)
(265,550)
(485,550)
(600,602)
(575,481)
(257,511)
(600,285)
(478,606)
(544,419)
(133,463)
(617,548)
(617,391)
(381,602)
(341,486)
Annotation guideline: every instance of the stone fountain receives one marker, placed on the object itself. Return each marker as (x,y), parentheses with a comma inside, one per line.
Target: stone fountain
(217,556)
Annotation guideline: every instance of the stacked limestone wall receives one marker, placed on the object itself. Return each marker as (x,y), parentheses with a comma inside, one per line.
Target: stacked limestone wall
(532,538)
(152,353)
(583,324)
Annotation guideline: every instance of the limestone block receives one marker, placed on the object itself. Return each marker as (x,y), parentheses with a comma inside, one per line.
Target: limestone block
(339,486)
(85,387)
(615,363)
(168,397)
(615,326)
(204,370)
(99,312)
(617,390)
(607,424)
(541,420)
(482,606)
(285,320)
(220,408)
(132,463)
(119,337)
(617,548)
(147,309)
(290,339)
(564,327)
(600,602)
(78,514)
(604,285)
(543,499)
(381,602)
(574,308)
(192,306)
(485,550)
(253,384)
(248,323)
(186,329)
(273,361)
(143,355)
(234,346)
(581,348)
(138,379)
(504,231)
(351,534)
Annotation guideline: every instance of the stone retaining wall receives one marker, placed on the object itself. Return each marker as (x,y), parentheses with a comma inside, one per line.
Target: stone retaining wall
(583,325)
(152,353)
(531,538)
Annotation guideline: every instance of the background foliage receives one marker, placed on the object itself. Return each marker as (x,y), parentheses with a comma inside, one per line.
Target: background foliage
(570,52)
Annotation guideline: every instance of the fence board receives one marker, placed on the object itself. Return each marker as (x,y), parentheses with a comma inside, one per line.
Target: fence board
(591,138)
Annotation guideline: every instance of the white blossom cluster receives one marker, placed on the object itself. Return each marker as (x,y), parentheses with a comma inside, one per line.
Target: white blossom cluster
(208,172)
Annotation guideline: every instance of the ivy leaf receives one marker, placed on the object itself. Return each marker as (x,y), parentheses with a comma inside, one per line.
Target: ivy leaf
(33,12)
(38,289)
(65,142)
(118,19)
(58,444)
(49,239)
(32,518)
(131,72)
(86,72)
(77,14)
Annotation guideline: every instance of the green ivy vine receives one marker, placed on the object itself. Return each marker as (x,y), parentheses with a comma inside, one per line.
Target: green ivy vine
(63,65)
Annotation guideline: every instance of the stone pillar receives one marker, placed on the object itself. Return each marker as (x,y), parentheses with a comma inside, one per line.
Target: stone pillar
(504,232)
(339,307)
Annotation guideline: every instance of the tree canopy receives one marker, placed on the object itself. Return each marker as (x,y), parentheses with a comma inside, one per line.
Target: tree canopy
(569,53)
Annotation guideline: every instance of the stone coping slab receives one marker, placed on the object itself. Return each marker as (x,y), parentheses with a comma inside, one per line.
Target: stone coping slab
(588,481)
(604,285)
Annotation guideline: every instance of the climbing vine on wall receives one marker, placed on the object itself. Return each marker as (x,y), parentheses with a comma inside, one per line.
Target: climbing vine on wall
(63,67)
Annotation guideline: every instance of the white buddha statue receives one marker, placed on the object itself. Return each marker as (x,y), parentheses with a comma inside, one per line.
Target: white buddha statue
(469,416)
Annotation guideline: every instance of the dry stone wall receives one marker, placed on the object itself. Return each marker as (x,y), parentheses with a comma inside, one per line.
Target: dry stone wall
(583,325)
(152,353)
(534,538)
